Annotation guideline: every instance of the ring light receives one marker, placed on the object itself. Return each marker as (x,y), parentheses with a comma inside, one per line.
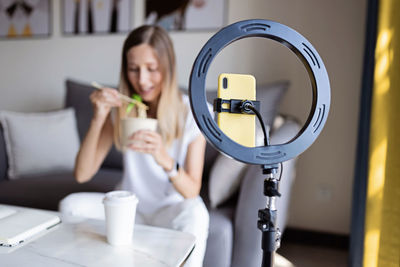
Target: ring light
(262,155)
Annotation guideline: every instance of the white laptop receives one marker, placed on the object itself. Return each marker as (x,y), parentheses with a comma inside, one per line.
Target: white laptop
(17,225)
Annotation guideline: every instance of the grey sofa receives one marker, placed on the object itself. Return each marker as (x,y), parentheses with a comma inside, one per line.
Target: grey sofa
(234,239)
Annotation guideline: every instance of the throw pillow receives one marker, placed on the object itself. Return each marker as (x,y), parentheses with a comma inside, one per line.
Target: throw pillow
(39,143)
(270,97)
(225,177)
(226,173)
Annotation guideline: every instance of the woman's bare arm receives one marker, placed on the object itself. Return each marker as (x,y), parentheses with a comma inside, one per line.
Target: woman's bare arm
(188,180)
(99,138)
(93,150)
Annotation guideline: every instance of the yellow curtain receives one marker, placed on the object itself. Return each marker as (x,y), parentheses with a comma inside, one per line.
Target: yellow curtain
(382,226)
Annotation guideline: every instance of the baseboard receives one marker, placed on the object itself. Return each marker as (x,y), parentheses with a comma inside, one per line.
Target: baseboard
(314,238)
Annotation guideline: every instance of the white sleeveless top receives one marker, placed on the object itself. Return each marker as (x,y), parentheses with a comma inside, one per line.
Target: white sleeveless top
(144,177)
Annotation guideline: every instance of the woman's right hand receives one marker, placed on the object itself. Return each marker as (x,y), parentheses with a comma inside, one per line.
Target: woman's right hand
(103,100)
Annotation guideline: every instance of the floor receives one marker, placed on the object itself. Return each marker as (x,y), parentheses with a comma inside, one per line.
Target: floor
(311,256)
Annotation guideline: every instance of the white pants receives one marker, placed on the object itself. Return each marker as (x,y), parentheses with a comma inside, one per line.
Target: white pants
(189,216)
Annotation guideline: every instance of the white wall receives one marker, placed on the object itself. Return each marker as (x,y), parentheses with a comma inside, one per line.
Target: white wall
(33,73)
(322,192)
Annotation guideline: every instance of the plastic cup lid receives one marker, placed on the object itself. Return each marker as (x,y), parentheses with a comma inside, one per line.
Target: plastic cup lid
(120,197)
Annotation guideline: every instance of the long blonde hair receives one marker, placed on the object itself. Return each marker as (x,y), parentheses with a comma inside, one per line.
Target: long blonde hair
(171,111)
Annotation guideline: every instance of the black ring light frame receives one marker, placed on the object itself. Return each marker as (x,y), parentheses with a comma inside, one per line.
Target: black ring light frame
(262,155)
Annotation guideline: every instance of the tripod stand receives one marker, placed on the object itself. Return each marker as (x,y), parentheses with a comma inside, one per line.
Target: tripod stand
(271,235)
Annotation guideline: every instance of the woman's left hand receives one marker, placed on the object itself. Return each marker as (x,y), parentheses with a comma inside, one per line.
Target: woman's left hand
(150,142)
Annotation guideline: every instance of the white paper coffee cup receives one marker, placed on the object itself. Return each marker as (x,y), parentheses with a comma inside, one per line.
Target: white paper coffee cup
(120,211)
(130,125)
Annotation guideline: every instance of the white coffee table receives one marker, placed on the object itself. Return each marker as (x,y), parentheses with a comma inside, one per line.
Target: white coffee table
(83,243)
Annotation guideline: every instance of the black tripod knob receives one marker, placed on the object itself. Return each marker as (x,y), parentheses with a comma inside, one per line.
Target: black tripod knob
(271,188)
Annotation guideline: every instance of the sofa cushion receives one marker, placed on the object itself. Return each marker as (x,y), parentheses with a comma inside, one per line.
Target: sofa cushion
(220,238)
(77,97)
(45,191)
(39,142)
(3,156)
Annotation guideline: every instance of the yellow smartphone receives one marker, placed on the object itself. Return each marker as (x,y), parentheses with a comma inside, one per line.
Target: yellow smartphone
(241,128)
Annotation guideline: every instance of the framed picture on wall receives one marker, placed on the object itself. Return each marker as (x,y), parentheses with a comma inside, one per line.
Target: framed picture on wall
(184,15)
(96,16)
(24,18)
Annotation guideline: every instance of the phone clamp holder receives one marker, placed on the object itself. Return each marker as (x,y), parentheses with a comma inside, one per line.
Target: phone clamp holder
(235,106)
(268,156)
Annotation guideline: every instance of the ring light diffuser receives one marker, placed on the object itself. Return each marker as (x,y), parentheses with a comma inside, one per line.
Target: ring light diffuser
(262,155)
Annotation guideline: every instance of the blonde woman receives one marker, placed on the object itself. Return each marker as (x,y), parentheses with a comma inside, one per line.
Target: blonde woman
(162,168)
